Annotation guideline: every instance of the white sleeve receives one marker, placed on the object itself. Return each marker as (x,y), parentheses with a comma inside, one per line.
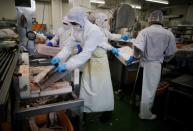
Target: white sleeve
(112,36)
(66,50)
(140,41)
(90,45)
(108,46)
(55,39)
(171,49)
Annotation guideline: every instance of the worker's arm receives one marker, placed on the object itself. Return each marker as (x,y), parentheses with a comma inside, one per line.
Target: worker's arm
(106,46)
(109,36)
(56,37)
(136,52)
(138,46)
(140,41)
(90,45)
(171,49)
(112,36)
(66,51)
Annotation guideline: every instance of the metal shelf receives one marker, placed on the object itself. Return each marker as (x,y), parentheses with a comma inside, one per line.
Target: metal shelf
(21,113)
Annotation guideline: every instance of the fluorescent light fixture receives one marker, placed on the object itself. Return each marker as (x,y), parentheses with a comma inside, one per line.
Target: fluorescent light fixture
(98,1)
(159,1)
(135,6)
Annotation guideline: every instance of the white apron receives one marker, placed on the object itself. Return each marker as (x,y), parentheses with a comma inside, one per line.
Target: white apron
(151,79)
(96,86)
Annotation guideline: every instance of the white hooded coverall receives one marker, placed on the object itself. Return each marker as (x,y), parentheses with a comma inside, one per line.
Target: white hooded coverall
(29,13)
(102,22)
(96,87)
(62,36)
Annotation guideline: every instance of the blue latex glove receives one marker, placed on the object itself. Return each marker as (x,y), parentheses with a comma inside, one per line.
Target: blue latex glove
(50,44)
(61,68)
(125,37)
(130,60)
(49,36)
(115,51)
(55,61)
(79,48)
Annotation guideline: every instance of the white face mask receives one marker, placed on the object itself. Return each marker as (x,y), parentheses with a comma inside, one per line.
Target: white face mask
(105,24)
(102,24)
(77,28)
(98,22)
(77,32)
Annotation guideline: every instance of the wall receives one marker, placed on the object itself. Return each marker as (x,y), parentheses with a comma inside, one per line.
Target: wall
(178,10)
(57,9)
(185,10)
(189,15)
(57,13)
(7,9)
(83,3)
(47,13)
(66,8)
(54,13)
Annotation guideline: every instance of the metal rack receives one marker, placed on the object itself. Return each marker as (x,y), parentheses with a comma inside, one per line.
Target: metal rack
(8,61)
(184,33)
(21,113)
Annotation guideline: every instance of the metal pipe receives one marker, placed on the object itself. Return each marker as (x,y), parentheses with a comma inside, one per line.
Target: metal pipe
(4,91)
(73,104)
(3,58)
(4,63)
(6,68)
(3,54)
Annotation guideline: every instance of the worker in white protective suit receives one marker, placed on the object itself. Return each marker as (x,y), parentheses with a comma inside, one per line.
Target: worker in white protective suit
(96,86)
(24,25)
(101,20)
(155,43)
(62,36)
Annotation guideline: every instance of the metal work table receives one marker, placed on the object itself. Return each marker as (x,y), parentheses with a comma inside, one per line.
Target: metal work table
(124,68)
(23,113)
(121,43)
(128,69)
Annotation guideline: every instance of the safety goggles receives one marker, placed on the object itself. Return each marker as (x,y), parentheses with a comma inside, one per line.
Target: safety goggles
(74,23)
(65,23)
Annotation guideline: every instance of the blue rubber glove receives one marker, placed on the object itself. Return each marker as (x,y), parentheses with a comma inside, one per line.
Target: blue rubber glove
(130,60)
(55,61)
(50,43)
(61,68)
(115,51)
(79,48)
(125,37)
(49,36)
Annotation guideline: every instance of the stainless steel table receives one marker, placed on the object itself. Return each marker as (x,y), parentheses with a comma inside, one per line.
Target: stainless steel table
(22,112)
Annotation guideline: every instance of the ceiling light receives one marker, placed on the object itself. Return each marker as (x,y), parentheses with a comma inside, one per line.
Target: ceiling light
(98,1)
(159,1)
(135,6)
